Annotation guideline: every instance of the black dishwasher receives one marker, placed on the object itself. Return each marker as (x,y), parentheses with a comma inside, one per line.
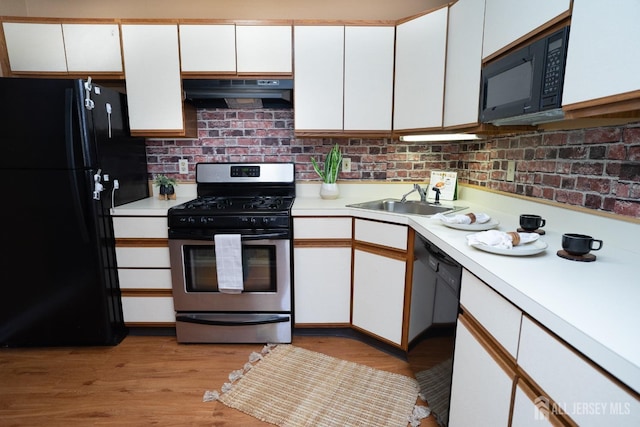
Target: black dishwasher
(435,291)
(435,295)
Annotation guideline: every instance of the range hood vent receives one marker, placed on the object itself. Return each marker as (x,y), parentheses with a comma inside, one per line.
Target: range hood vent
(263,93)
(531,119)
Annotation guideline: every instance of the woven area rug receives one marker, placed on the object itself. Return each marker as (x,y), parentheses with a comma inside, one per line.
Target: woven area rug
(293,387)
(435,388)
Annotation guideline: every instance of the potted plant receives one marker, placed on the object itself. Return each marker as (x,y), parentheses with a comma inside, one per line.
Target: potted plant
(166,186)
(329,174)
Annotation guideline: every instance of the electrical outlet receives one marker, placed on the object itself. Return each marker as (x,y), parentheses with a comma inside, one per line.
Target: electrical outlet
(183,166)
(511,170)
(346,164)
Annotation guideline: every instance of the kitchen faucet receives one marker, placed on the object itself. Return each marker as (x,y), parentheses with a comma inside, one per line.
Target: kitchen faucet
(421,192)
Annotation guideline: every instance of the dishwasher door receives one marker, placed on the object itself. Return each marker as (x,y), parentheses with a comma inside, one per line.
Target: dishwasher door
(435,290)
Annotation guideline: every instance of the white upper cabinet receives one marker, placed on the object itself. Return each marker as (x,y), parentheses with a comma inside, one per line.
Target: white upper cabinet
(92,47)
(264,49)
(507,21)
(236,49)
(208,48)
(54,47)
(319,77)
(343,78)
(152,70)
(34,47)
(368,78)
(602,59)
(464,60)
(420,66)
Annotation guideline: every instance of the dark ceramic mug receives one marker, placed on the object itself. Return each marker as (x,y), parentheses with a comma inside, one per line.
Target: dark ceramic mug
(580,244)
(531,222)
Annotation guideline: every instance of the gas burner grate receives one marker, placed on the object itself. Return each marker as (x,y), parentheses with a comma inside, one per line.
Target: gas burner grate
(257,203)
(210,203)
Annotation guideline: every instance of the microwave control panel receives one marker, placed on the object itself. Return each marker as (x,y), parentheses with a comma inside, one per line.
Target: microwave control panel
(552,80)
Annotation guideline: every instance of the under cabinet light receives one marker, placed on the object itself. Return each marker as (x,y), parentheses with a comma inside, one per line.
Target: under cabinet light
(440,137)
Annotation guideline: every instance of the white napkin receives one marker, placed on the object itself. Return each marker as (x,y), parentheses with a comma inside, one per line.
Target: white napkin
(499,239)
(481,218)
(228,249)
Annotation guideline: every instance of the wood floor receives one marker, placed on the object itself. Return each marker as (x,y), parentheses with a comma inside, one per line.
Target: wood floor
(152,380)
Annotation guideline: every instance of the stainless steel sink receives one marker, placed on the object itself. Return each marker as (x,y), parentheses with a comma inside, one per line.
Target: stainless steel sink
(410,207)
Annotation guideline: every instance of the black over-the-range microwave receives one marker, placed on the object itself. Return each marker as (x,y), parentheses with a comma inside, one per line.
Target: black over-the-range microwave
(525,87)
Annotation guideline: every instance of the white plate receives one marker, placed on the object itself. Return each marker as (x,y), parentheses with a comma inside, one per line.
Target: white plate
(521,250)
(492,223)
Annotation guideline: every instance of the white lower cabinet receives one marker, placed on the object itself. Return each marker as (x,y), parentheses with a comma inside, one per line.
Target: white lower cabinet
(144,270)
(379,280)
(481,385)
(378,295)
(530,410)
(322,283)
(506,363)
(571,384)
(322,271)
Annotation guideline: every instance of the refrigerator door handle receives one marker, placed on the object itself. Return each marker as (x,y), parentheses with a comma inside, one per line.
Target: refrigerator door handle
(73,174)
(88,102)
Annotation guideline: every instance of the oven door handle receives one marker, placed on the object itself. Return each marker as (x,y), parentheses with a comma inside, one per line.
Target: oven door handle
(265,236)
(233,320)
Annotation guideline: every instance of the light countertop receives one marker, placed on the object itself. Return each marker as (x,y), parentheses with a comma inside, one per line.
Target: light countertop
(594,306)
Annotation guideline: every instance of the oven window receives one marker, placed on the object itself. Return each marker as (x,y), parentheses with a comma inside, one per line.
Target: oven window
(258,267)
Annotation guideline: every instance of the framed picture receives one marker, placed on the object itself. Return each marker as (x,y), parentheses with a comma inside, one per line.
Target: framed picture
(446,182)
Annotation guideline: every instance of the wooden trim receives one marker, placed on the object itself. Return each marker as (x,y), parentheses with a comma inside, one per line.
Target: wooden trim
(322,243)
(493,347)
(5,68)
(544,30)
(377,337)
(425,12)
(385,251)
(343,22)
(556,204)
(137,293)
(150,324)
(322,325)
(408,288)
(625,105)
(139,242)
(534,391)
(341,134)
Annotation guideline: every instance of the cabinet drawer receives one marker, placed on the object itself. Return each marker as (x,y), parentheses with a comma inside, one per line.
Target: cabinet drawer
(380,233)
(582,390)
(143,257)
(322,228)
(140,278)
(141,227)
(497,315)
(148,310)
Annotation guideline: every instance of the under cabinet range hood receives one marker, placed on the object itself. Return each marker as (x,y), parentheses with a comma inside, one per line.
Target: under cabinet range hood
(234,93)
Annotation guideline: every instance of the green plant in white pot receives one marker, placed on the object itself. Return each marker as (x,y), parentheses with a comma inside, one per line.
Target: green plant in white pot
(329,173)
(166,186)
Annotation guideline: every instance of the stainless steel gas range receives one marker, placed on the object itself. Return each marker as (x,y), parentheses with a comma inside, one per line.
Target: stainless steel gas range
(249,202)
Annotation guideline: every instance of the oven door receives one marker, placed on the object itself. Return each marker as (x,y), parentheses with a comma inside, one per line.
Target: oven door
(266,271)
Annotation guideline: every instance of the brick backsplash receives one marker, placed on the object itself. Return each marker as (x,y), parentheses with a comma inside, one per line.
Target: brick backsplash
(596,168)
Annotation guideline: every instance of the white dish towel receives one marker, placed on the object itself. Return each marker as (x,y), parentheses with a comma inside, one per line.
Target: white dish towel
(229,263)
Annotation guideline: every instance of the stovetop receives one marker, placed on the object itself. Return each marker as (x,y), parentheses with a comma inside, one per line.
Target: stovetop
(225,204)
(239,197)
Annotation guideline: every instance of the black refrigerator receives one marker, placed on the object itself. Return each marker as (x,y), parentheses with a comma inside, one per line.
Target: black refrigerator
(67,159)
